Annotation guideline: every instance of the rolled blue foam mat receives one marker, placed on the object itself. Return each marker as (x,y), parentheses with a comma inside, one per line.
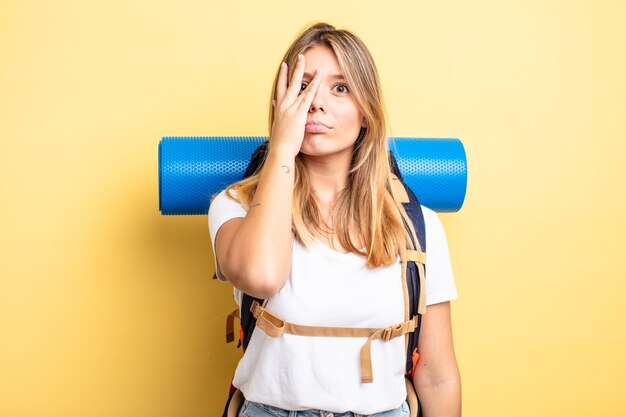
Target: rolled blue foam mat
(193,169)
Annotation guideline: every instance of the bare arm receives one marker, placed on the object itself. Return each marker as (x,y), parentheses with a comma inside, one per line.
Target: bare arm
(437,380)
(254,252)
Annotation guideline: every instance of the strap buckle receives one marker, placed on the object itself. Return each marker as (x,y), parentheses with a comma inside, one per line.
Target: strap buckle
(387,332)
(392,331)
(256,309)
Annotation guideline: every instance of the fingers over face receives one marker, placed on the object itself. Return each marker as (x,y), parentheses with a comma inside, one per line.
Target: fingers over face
(281,85)
(296,80)
(309,92)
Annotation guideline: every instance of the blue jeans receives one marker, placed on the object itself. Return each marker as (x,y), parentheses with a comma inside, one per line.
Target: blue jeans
(252,409)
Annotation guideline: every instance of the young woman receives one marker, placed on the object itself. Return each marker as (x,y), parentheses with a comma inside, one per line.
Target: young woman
(316,232)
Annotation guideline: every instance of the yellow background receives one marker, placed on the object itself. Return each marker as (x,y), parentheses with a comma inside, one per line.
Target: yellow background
(107,308)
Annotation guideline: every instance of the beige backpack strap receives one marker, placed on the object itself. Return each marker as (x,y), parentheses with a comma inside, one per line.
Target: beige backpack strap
(400,195)
(230,325)
(416,256)
(399,191)
(275,327)
(419,257)
(385,334)
(405,289)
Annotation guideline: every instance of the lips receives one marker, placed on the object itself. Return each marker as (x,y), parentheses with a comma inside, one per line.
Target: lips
(316,127)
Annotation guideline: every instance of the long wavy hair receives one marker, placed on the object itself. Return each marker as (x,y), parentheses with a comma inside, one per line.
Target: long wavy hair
(367,205)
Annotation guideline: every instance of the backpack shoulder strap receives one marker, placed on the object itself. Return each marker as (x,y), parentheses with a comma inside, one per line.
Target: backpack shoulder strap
(413,262)
(257,159)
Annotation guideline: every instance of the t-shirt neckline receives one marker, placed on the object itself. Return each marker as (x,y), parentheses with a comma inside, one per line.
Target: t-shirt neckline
(335,252)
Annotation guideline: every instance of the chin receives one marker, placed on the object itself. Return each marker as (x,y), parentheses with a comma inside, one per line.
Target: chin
(314,144)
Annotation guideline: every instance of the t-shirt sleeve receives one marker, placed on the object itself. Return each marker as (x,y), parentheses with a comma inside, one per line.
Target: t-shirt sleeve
(440,285)
(221,210)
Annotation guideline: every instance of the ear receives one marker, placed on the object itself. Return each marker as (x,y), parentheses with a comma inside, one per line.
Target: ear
(363,122)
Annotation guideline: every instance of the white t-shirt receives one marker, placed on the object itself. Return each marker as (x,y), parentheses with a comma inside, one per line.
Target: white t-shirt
(330,288)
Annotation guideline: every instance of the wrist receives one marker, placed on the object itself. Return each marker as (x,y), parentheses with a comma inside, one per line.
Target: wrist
(281,157)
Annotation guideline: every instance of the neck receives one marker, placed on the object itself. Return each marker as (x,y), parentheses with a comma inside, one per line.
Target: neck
(328,175)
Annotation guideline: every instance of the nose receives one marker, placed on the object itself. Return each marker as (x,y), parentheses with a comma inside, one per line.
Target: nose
(317,103)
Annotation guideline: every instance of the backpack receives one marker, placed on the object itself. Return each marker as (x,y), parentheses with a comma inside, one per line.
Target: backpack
(253,314)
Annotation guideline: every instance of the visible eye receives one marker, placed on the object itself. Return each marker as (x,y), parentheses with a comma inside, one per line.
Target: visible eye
(342,88)
(303,86)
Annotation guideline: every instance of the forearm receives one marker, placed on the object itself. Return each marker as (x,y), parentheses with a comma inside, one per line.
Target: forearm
(437,379)
(262,247)
(440,398)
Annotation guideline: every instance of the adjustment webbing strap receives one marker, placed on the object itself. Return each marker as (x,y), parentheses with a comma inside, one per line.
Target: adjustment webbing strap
(274,326)
(385,334)
(419,258)
(230,325)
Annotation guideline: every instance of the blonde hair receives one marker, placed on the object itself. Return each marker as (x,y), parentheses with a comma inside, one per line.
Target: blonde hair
(367,205)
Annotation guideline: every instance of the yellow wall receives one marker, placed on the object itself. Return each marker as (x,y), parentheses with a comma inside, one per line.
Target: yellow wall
(107,308)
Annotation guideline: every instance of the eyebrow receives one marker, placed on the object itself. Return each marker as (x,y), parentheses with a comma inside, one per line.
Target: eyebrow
(337,76)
